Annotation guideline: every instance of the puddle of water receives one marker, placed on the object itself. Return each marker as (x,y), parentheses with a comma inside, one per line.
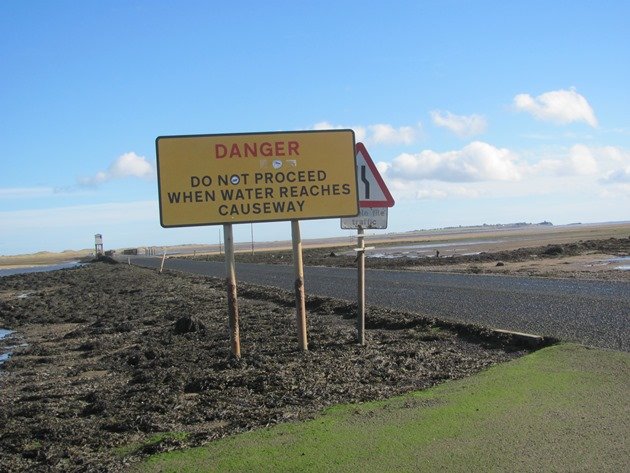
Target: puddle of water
(431,246)
(621,259)
(605,263)
(39,269)
(3,334)
(383,255)
(423,250)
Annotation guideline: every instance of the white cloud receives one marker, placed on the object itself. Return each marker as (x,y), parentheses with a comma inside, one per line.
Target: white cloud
(403,189)
(25,192)
(95,215)
(558,106)
(477,161)
(482,170)
(614,154)
(63,227)
(387,134)
(382,166)
(380,133)
(359,131)
(36,192)
(443,192)
(618,176)
(461,125)
(430,194)
(126,165)
(581,161)
(328,126)
(617,191)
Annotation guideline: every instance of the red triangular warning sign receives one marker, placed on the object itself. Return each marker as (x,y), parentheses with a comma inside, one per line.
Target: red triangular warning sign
(372,189)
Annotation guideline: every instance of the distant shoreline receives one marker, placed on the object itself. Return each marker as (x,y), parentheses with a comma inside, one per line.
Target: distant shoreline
(36,268)
(562,233)
(42,259)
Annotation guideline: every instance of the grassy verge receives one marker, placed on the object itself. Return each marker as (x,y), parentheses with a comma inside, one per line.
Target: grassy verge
(563,408)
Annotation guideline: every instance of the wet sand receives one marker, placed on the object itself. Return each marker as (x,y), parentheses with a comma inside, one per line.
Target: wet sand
(575,259)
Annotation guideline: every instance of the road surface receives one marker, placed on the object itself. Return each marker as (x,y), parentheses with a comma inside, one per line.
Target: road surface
(594,313)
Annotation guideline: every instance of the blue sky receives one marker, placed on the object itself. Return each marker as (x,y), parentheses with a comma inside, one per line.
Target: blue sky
(475,111)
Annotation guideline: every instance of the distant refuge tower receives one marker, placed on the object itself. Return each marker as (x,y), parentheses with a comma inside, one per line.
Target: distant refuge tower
(98,244)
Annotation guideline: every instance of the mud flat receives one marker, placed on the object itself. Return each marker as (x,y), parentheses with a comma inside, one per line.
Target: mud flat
(489,238)
(603,259)
(114,362)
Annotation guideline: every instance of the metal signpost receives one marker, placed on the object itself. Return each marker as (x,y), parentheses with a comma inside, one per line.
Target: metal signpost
(257,177)
(374,200)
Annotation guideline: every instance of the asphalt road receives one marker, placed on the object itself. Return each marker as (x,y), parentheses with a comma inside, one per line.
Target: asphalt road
(594,313)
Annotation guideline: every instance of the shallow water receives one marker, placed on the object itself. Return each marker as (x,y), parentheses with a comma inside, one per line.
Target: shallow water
(422,250)
(621,259)
(38,269)
(4,356)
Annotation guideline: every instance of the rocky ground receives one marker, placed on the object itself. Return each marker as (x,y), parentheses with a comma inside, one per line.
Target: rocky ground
(585,259)
(115,362)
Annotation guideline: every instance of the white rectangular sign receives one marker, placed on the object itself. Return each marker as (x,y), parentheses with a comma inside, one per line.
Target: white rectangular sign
(369,218)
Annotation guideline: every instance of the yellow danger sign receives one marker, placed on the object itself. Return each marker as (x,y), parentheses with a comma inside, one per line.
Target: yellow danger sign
(256,177)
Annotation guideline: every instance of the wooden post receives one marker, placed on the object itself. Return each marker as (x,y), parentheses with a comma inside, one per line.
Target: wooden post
(230,267)
(300,301)
(163,259)
(361,287)
(252,229)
